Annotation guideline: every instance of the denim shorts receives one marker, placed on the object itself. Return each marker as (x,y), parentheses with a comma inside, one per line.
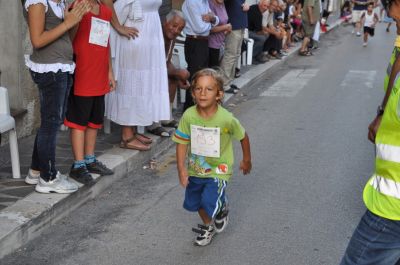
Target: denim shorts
(205,193)
(376,240)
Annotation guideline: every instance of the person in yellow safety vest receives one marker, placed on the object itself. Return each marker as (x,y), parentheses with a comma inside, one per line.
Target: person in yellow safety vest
(376,239)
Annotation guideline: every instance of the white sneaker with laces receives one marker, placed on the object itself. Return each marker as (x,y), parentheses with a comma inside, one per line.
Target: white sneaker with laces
(206,233)
(32,178)
(61,184)
(358,34)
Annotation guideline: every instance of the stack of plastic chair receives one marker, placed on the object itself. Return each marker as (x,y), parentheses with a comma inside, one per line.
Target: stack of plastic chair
(178,59)
(7,124)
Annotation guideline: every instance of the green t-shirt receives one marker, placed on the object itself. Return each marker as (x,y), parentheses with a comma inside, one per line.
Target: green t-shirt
(223,126)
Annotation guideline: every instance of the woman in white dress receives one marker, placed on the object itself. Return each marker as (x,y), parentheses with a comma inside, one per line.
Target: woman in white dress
(141,97)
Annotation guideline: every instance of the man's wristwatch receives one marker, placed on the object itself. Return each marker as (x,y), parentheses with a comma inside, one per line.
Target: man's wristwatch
(379,111)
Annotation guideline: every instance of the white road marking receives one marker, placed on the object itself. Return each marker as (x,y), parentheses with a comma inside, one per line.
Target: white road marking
(356,77)
(291,83)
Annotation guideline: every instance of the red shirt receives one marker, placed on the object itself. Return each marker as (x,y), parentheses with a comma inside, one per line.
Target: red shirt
(92,60)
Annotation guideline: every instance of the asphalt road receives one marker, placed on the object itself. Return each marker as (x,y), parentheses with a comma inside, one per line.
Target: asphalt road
(307,122)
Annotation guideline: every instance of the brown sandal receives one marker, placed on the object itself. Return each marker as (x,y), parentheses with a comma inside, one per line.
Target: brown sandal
(143,138)
(125,144)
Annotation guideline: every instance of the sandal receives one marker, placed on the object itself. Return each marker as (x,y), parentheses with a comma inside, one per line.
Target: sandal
(143,138)
(237,73)
(159,131)
(305,53)
(232,90)
(129,144)
(171,124)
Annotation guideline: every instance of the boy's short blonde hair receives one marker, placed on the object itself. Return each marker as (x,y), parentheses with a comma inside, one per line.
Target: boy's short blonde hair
(215,75)
(208,72)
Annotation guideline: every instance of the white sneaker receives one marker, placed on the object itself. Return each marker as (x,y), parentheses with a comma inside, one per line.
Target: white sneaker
(61,184)
(32,178)
(206,233)
(358,34)
(221,219)
(365,44)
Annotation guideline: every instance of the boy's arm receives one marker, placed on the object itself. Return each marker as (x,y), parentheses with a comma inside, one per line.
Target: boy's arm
(376,19)
(245,164)
(374,126)
(111,77)
(181,150)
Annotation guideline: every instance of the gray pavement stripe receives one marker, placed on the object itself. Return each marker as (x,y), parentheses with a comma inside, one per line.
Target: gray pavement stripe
(291,83)
(354,78)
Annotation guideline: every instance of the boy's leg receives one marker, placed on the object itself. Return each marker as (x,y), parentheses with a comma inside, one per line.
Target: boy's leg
(78,142)
(213,197)
(77,118)
(365,37)
(94,124)
(376,240)
(90,141)
(204,217)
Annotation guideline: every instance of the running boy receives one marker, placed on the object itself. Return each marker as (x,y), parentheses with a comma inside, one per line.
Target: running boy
(93,79)
(369,19)
(209,129)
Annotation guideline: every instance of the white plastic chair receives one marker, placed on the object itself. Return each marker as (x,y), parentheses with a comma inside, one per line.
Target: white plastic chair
(178,59)
(7,124)
(247,55)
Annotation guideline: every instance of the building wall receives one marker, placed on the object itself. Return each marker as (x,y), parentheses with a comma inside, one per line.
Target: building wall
(14,43)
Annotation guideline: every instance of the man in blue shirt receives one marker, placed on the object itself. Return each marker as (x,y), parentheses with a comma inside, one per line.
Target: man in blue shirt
(237,14)
(199,21)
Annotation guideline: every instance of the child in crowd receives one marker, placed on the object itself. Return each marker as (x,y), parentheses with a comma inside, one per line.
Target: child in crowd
(93,79)
(295,21)
(51,67)
(345,12)
(209,129)
(369,19)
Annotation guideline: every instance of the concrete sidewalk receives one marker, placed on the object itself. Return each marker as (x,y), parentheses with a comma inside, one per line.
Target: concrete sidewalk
(24,214)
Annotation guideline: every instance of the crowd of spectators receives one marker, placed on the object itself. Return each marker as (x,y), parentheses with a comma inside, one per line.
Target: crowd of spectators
(138,85)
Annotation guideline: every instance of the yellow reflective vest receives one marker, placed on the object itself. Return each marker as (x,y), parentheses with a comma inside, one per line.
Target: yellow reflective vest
(382,191)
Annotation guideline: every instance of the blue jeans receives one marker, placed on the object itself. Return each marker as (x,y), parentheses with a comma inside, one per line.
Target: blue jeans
(54,89)
(376,240)
(259,42)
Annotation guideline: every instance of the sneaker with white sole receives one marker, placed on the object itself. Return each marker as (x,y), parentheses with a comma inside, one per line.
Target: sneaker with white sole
(358,34)
(206,233)
(221,219)
(61,184)
(31,178)
(365,44)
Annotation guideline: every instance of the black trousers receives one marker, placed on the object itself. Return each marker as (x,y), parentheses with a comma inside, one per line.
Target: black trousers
(213,60)
(272,44)
(196,56)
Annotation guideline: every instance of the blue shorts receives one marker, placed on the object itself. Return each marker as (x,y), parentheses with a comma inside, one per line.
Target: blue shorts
(205,193)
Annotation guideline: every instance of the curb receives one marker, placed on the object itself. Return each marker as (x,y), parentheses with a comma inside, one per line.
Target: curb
(28,217)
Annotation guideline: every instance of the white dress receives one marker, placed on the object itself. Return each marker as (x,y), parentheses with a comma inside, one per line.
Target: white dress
(141,96)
